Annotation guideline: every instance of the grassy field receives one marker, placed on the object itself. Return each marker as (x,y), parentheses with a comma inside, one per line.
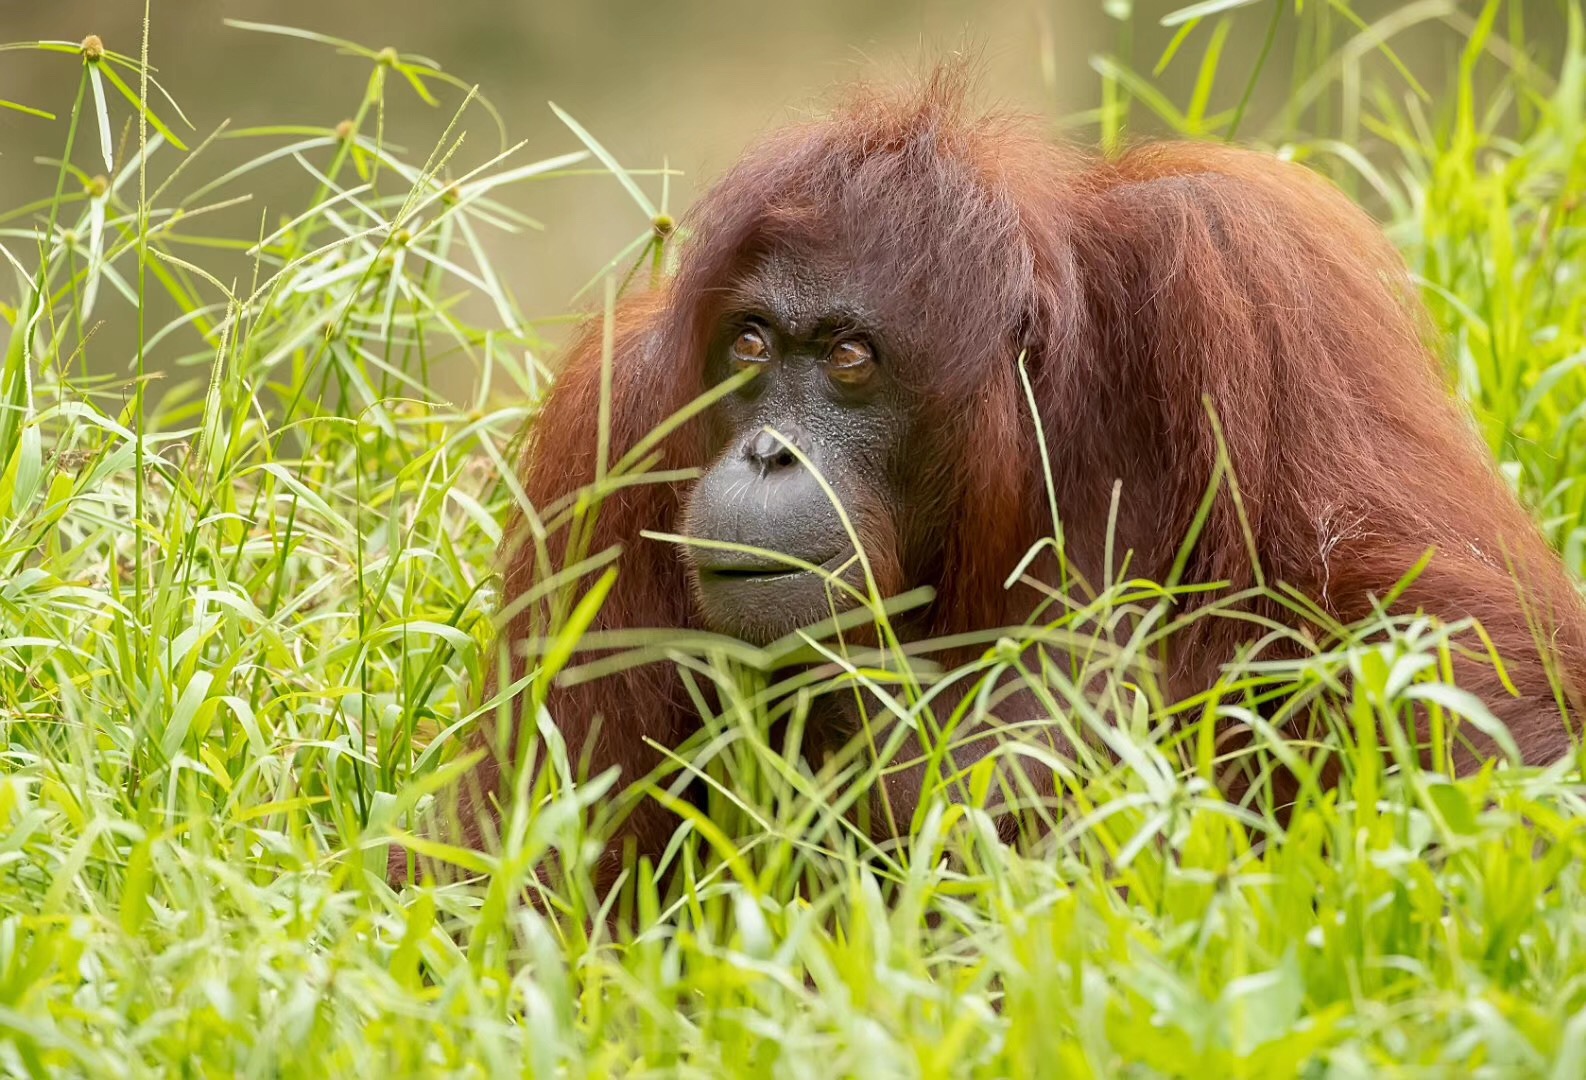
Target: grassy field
(242,606)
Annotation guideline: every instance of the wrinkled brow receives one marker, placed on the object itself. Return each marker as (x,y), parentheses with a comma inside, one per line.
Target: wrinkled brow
(803,295)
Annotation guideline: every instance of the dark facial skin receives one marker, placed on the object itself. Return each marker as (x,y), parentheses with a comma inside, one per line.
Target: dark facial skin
(822,382)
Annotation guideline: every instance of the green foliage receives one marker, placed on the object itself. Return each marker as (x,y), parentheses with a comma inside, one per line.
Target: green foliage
(246,592)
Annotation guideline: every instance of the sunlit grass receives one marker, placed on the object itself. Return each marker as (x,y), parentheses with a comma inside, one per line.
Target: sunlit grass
(245,610)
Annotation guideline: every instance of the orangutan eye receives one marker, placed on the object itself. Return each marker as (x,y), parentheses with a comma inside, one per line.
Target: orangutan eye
(750,348)
(851,362)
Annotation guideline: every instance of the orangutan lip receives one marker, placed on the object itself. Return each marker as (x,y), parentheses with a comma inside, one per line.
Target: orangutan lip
(745,573)
(760,570)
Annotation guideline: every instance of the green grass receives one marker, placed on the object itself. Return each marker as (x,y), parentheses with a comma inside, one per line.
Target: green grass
(242,605)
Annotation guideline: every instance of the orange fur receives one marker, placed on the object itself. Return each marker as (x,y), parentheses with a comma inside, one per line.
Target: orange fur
(1133,288)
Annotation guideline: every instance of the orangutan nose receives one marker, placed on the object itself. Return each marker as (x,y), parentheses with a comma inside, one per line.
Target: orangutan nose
(769,453)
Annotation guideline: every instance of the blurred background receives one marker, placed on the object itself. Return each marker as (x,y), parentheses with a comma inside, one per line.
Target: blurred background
(684,84)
